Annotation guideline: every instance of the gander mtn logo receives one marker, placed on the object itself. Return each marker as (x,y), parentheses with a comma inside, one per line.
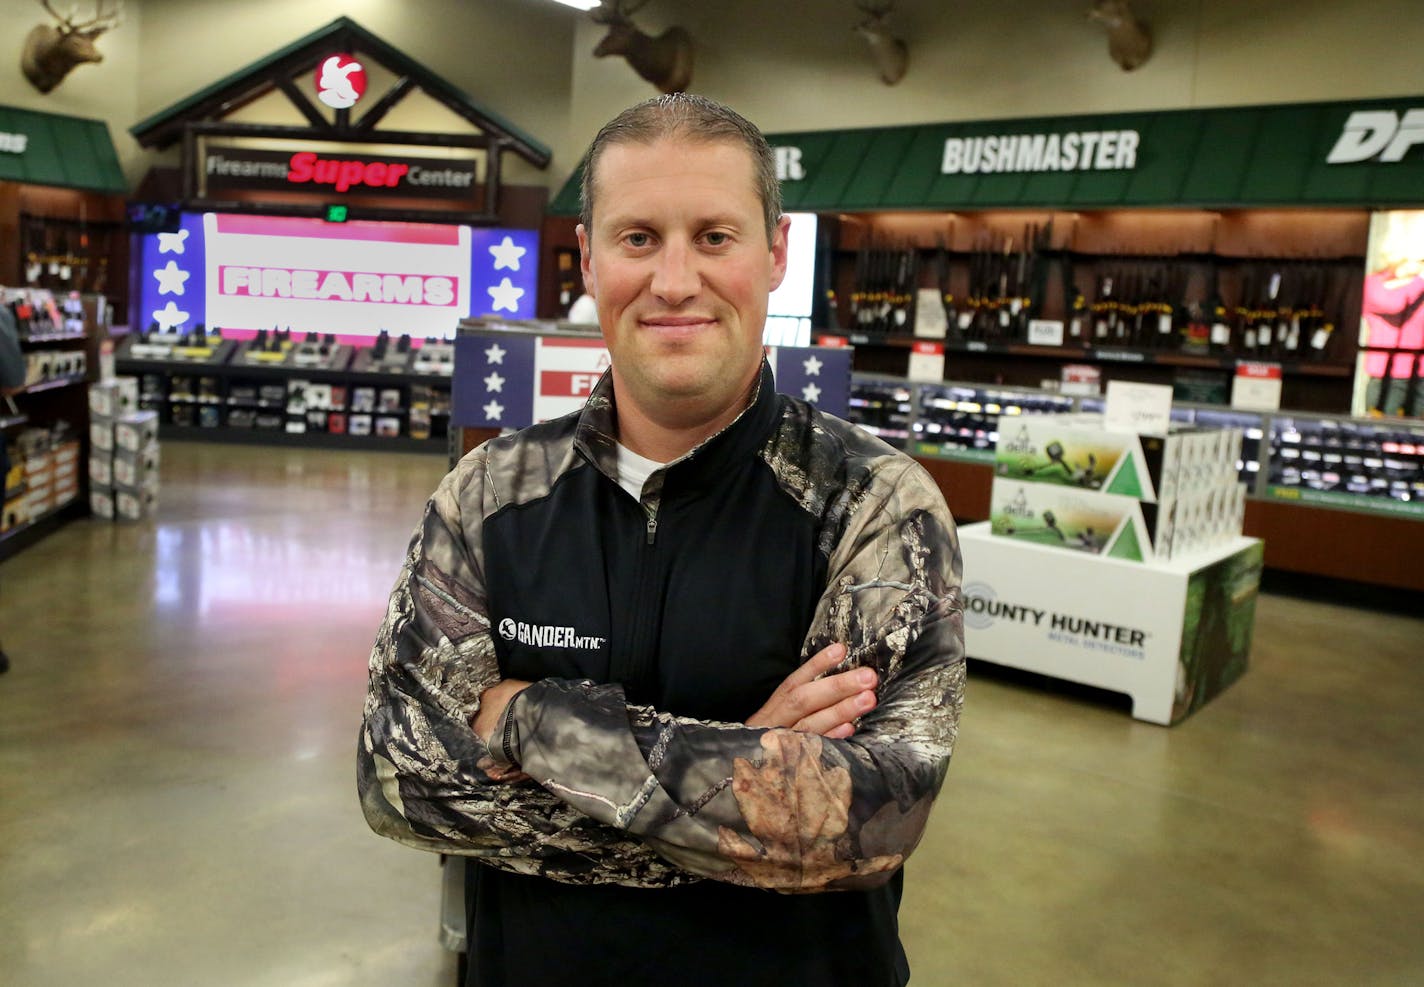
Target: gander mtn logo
(546,635)
(1368,133)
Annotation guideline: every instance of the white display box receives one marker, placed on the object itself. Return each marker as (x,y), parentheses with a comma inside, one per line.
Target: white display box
(135,505)
(101,435)
(101,502)
(136,431)
(101,468)
(134,470)
(1170,635)
(114,398)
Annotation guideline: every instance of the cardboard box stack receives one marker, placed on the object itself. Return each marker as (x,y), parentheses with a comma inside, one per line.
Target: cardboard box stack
(123,452)
(1064,481)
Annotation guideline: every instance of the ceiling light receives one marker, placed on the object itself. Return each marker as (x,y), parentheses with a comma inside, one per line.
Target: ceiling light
(579,4)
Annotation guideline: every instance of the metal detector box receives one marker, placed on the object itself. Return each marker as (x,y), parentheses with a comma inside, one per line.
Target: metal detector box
(1076,451)
(1080,520)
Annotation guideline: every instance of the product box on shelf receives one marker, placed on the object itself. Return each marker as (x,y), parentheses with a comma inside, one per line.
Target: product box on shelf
(1082,520)
(15,513)
(135,505)
(113,398)
(136,468)
(101,468)
(135,431)
(101,501)
(1074,450)
(101,435)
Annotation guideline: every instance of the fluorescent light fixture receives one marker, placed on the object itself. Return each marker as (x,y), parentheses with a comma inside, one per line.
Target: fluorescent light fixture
(579,4)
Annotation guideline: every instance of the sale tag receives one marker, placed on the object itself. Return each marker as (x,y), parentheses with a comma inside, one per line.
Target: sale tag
(1256,386)
(1142,408)
(927,362)
(1045,332)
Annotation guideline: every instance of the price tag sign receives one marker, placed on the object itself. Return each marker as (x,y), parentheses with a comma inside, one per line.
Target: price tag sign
(1081,379)
(1256,386)
(930,320)
(838,342)
(1145,409)
(1045,332)
(927,362)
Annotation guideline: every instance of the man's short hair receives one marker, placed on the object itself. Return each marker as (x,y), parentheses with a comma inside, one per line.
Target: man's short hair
(692,118)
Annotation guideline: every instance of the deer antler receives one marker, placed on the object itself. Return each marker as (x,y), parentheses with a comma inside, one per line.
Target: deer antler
(64,21)
(616,11)
(101,20)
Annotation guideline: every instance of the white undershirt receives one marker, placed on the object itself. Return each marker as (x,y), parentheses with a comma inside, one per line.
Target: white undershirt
(634,470)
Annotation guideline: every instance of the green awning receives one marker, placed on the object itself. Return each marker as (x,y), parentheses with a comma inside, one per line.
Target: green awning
(1233,157)
(70,152)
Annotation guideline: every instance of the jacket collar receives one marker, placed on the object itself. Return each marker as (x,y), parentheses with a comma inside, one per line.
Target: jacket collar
(597,438)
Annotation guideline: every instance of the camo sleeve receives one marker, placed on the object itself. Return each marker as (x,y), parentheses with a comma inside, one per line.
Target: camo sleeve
(422,771)
(781,809)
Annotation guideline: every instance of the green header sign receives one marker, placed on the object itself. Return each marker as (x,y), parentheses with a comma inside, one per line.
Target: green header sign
(51,149)
(1360,153)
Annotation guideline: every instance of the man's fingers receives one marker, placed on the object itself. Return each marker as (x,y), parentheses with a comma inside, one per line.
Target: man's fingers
(831,721)
(817,665)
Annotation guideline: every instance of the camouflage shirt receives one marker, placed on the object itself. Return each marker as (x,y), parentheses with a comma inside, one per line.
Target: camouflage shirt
(620,791)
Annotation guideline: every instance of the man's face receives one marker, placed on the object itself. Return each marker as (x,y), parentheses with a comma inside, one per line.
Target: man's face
(678,262)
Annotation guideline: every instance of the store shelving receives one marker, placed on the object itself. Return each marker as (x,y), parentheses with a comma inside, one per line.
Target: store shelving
(1366,531)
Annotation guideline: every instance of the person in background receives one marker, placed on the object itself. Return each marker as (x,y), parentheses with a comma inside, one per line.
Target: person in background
(12,381)
(682,673)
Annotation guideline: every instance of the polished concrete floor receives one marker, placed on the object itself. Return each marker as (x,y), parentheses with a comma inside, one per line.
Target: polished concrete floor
(177,800)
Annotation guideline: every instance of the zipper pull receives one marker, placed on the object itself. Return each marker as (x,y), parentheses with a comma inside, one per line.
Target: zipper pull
(652,527)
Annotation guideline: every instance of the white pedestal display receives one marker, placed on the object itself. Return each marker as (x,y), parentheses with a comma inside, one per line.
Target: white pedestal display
(1170,635)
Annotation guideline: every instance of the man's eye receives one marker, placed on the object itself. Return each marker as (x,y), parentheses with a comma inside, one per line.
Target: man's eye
(637,239)
(715,239)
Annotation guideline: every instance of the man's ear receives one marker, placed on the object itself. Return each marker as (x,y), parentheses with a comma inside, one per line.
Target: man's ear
(778,251)
(586,262)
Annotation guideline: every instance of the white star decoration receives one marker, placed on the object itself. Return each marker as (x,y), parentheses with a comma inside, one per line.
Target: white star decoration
(505,295)
(494,382)
(811,393)
(170,279)
(506,254)
(172,242)
(494,411)
(494,354)
(812,365)
(169,317)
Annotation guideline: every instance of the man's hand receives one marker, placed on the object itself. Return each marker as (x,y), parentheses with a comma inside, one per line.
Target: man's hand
(828,706)
(493,702)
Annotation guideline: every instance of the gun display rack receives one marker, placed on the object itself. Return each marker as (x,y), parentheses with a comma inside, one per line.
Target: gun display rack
(1150,291)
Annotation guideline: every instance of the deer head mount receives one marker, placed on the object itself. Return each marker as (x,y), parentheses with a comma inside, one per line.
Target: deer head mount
(665,60)
(52,50)
(890,54)
(1129,40)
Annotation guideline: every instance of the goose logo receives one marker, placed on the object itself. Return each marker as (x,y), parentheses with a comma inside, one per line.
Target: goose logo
(340,82)
(507,629)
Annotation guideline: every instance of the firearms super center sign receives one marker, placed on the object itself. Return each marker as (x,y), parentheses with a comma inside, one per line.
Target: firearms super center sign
(231,169)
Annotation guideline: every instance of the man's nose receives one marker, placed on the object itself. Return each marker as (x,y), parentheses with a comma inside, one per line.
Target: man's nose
(675,276)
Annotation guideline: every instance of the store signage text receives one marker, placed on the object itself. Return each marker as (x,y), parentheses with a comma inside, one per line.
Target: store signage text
(346,286)
(13,143)
(1381,134)
(788,164)
(1059,625)
(1088,150)
(243,168)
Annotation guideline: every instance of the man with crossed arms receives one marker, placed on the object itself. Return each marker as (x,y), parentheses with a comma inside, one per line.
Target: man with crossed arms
(650,664)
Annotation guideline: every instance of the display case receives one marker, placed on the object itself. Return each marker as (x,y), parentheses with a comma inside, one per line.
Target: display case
(272,388)
(1331,495)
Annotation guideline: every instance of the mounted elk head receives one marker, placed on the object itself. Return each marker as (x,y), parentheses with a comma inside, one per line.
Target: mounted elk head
(52,50)
(890,54)
(665,61)
(1129,40)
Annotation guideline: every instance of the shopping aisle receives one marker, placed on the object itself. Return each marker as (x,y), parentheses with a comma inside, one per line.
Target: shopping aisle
(177,795)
